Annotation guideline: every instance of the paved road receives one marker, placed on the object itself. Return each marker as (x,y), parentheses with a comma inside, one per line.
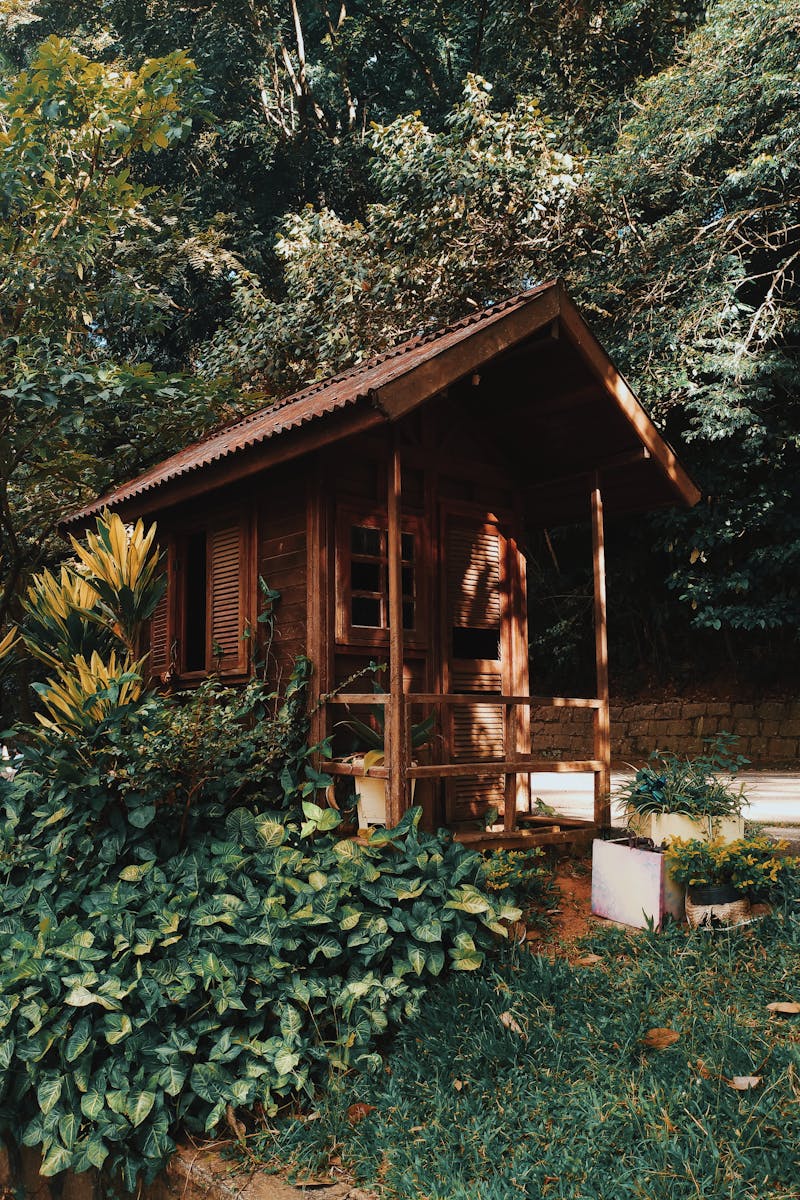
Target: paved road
(774,795)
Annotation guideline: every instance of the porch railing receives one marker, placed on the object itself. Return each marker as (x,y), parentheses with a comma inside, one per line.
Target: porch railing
(514,762)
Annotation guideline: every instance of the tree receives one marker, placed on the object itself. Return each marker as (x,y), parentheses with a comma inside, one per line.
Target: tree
(691,259)
(466,215)
(81,246)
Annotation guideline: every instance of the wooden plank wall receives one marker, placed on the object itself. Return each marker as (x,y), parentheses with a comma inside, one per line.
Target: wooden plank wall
(282,563)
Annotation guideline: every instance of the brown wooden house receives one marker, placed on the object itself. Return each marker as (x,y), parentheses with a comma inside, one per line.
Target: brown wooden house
(389,506)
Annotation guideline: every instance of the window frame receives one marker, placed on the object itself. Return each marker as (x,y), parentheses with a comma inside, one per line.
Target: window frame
(175,546)
(348,634)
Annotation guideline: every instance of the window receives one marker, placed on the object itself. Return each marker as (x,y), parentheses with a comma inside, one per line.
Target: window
(200,624)
(363,575)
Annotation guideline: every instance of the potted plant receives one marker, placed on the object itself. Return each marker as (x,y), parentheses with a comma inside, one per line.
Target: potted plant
(686,798)
(722,878)
(371,793)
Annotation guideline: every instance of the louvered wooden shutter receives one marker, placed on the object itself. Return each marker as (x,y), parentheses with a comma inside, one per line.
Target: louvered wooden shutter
(227,583)
(474,603)
(159,637)
(473,570)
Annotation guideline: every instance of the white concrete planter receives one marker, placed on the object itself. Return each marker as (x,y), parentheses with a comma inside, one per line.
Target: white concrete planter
(633,886)
(661,826)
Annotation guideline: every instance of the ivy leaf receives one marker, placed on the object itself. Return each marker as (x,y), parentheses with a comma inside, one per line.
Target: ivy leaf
(136,871)
(92,1104)
(417,959)
(57,1159)
(48,1093)
(116,1027)
(272,833)
(139,1106)
(78,1040)
(140,817)
(286,1060)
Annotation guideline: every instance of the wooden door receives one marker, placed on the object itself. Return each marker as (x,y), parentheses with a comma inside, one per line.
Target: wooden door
(483,622)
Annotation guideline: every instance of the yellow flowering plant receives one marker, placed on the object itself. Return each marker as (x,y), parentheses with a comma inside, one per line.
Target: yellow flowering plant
(754,866)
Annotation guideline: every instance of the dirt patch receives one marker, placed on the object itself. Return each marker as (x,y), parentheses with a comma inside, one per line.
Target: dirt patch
(566,916)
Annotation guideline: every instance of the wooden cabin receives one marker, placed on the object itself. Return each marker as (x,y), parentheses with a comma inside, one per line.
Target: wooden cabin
(389,506)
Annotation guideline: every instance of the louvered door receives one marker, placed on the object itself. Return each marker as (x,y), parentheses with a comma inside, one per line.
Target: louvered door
(476,641)
(227,651)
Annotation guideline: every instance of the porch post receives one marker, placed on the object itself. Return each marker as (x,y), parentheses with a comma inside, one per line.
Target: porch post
(395,716)
(602,734)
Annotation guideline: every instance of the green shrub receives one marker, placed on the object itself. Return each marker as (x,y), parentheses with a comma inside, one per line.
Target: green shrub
(756,866)
(146,985)
(689,786)
(524,874)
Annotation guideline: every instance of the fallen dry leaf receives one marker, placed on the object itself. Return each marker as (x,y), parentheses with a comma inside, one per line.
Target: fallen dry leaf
(458,1084)
(510,1022)
(743,1083)
(356,1112)
(659,1038)
(588,960)
(786,1007)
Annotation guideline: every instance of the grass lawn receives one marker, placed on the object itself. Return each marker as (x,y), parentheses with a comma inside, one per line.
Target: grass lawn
(531,1078)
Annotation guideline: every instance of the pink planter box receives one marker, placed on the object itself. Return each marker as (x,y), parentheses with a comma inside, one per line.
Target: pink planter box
(632,886)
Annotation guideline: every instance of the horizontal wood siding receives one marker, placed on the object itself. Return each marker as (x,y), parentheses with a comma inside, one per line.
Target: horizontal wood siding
(283,564)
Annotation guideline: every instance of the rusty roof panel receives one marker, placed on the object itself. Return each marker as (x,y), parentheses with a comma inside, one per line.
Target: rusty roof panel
(317,400)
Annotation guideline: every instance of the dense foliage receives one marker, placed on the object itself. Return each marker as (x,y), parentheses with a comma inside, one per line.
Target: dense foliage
(276,191)
(184,933)
(180,945)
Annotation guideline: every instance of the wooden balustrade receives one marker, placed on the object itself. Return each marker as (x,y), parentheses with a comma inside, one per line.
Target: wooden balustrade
(514,763)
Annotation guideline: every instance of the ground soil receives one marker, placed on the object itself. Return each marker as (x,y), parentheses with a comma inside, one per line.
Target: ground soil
(566,916)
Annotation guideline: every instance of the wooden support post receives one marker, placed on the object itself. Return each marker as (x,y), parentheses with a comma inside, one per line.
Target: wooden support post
(317,592)
(397,757)
(602,734)
(511,727)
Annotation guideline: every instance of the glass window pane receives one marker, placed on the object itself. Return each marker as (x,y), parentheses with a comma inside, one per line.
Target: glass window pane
(366,612)
(408,581)
(408,614)
(365,540)
(407,546)
(365,576)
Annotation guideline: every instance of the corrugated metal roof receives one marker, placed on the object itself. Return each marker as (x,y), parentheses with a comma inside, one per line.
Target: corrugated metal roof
(318,400)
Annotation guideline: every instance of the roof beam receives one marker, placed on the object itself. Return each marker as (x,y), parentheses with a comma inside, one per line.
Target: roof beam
(612,463)
(400,395)
(593,354)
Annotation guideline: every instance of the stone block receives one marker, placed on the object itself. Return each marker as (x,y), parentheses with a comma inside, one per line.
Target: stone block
(781,749)
(746,727)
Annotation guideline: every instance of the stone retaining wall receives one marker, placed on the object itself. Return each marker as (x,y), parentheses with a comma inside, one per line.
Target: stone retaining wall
(768,732)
